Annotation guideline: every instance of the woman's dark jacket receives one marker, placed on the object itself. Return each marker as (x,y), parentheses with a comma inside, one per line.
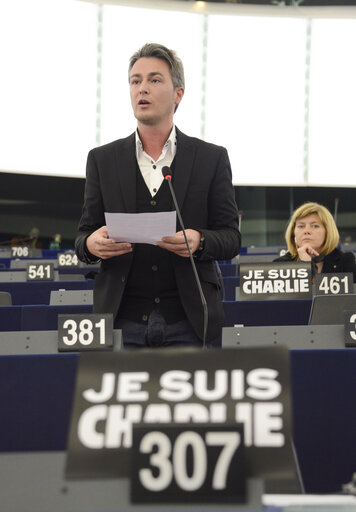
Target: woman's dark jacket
(336,261)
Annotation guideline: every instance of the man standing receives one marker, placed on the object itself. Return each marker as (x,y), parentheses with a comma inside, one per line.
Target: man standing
(151,290)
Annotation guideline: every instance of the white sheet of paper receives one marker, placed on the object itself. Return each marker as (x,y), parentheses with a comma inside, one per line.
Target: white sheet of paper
(144,228)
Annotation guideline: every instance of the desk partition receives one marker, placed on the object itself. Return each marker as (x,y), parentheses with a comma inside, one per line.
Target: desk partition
(39,292)
(38,342)
(35,483)
(36,317)
(306,337)
(36,394)
(230,284)
(248,313)
(267,312)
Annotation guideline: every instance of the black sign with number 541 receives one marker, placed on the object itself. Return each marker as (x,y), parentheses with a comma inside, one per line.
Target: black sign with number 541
(190,463)
(40,272)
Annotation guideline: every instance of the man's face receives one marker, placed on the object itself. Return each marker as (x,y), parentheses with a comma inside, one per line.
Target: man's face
(153,96)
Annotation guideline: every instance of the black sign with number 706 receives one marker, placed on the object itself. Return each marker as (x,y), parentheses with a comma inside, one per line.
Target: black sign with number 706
(189,463)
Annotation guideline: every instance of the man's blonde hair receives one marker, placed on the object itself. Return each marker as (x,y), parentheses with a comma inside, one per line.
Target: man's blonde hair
(331,232)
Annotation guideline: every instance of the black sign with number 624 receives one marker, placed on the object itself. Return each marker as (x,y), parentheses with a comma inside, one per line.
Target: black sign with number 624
(188,464)
(89,331)
(67,259)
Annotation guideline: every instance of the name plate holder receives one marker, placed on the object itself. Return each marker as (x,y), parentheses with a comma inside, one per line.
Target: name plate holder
(39,342)
(43,486)
(5,252)
(295,337)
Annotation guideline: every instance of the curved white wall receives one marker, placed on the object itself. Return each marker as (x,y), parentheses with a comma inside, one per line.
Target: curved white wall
(276,90)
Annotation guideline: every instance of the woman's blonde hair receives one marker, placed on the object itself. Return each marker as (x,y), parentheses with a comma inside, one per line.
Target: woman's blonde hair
(332,234)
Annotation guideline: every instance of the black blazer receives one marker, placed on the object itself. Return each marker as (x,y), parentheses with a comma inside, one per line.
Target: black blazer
(205,195)
(336,261)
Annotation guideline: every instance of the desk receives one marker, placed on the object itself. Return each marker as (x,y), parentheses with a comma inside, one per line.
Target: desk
(36,396)
(39,292)
(36,317)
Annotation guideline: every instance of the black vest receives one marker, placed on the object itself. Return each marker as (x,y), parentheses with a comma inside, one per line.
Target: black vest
(151,282)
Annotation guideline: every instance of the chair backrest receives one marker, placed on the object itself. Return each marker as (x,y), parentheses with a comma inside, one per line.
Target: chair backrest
(71,297)
(5,299)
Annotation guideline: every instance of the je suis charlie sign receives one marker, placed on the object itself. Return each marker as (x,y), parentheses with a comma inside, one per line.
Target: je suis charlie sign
(276,280)
(182,388)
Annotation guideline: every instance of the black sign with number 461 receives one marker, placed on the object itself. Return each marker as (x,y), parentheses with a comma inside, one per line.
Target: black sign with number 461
(91,331)
(188,464)
(339,283)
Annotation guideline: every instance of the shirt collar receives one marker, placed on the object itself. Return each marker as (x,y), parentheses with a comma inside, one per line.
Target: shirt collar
(171,142)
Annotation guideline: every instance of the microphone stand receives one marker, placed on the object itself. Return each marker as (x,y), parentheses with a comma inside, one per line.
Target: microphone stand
(221,280)
(203,300)
(336,205)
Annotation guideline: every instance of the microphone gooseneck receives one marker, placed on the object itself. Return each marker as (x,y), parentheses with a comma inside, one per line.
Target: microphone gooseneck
(167,174)
(221,280)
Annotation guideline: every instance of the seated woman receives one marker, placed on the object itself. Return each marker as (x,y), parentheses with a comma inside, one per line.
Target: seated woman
(312,235)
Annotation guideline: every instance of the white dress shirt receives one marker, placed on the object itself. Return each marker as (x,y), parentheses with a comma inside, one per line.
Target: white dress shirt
(151,169)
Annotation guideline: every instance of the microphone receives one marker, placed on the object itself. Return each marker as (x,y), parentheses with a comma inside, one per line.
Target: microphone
(336,206)
(167,174)
(240,214)
(236,260)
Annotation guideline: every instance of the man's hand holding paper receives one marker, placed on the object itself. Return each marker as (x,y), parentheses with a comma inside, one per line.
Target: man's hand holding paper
(100,245)
(144,228)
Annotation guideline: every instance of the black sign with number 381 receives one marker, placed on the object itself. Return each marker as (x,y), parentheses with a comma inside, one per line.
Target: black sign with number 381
(85,332)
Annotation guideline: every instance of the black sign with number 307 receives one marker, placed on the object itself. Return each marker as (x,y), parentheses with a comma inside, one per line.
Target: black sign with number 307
(188,464)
